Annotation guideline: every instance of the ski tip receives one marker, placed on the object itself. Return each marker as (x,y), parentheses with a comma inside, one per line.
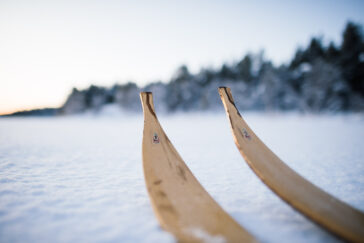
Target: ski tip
(147,102)
(145,95)
(225,92)
(227,99)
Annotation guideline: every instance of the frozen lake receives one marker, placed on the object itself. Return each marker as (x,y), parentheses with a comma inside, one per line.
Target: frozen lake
(80,179)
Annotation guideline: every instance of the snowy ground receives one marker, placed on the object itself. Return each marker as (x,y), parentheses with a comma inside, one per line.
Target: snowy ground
(81,179)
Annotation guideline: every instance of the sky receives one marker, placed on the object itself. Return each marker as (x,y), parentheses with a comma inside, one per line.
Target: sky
(49,47)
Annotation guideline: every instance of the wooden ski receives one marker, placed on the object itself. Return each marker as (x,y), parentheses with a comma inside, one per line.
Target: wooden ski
(326,210)
(181,204)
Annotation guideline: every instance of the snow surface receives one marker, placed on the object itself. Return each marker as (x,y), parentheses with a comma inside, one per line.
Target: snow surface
(80,179)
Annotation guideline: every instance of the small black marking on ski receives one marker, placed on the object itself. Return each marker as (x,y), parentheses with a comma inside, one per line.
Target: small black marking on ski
(246,134)
(181,172)
(161,194)
(155,138)
(157,182)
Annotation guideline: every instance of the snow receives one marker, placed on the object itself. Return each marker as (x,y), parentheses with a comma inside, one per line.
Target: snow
(80,179)
(204,236)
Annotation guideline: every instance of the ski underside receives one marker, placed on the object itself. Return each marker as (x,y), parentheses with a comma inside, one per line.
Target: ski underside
(181,204)
(319,206)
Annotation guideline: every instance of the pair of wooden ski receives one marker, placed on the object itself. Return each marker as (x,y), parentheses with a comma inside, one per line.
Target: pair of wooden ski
(184,208)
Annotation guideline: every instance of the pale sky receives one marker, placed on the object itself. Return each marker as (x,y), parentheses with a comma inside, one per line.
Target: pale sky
(47,47)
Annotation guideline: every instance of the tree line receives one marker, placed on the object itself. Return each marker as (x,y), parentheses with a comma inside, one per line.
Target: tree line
(319,78)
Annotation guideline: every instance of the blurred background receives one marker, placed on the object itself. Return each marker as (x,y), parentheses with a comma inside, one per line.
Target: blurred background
(71,171)
(72,57)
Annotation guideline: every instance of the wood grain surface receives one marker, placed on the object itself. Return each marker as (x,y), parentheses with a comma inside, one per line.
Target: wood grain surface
(332,214)
(181,204)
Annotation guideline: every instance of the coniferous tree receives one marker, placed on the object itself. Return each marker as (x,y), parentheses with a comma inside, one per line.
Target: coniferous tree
(244,68)
(351,57)
(332,53)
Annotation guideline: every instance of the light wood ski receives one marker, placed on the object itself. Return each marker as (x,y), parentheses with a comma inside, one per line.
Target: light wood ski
(331,213)
(181,204)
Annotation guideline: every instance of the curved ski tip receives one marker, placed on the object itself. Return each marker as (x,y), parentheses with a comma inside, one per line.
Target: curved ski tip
(145,93)
(144,97)
(225,92)
(147,102)
(223,88)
